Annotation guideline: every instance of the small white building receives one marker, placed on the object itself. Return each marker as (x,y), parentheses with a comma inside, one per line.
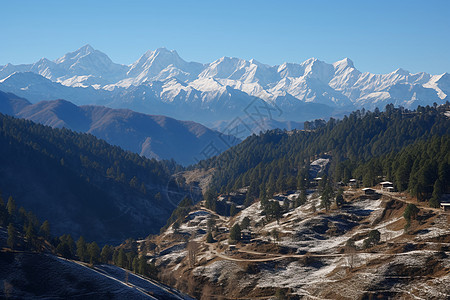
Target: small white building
(445,206)
(387,186)
(368,191)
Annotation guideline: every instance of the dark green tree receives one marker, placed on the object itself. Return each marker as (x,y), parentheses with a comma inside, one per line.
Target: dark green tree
(122,259)
(245,224)
(82,252)
(30,236)
(301,198)
(11,206)
(135,264)
(44,230)
(93,251)
(326,198)
(410,213)
(209,238)
(372,239)
(437,192)
(66,246)
(211,223)
(235,233)
(339,198)
(12,236)
(106,254)
(233,210)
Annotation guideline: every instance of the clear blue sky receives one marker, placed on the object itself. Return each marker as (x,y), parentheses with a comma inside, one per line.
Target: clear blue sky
(379,36)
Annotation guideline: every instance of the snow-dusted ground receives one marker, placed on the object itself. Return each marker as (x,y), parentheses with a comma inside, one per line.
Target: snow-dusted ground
(253,212)
(45,276)
(218,270)
(321,236)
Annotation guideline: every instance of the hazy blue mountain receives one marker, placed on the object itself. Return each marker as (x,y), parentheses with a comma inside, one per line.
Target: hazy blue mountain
(152,136)
(83,185)
(11,104)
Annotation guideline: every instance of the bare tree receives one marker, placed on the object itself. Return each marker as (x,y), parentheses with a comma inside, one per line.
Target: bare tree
(350,249)
(192,248)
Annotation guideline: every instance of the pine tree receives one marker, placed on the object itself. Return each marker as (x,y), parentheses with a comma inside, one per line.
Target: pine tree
(339,198)
(209,238)
(11,206)
(93,251)
(135,264)
(30,235)
(82,249)
(372,239)
(301,198)
(233,210)
(142,266)
(245,224)
(106,254)
(437,192)
(12,236)
(44,230)
(326,198)
(211,223)
(121,259)
(410,213)
(235,233)
(66,246)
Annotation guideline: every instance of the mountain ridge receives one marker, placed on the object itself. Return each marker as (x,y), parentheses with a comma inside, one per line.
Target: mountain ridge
(161,82)
(152,136)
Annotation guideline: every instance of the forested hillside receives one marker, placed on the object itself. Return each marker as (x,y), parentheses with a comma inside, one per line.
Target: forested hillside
(422,168)
(81,184)
(152,136)
(279,160)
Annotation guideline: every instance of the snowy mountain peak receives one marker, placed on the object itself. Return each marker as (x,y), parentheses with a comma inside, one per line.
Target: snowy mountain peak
(344,63)
(86,49)
(162,73)
(401,72)
(83,51)
(161,52)
(153,62)
(318,69)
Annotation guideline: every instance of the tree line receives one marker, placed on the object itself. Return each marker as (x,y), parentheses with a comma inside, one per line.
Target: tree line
(278,160)
(25,232)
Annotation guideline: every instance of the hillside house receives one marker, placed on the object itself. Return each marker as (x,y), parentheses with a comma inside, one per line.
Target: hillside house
(315,181)
(246,235)
(353,183)
(445,206)
(387,186)
(368,191)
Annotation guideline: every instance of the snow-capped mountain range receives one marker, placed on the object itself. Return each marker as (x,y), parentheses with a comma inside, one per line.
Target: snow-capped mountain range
(161,82)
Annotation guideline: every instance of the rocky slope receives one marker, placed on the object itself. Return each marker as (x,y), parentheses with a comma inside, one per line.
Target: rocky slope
(307,254)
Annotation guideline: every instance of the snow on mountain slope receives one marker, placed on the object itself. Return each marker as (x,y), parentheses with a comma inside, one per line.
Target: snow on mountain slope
(80,65)
(159,65)
(160,81)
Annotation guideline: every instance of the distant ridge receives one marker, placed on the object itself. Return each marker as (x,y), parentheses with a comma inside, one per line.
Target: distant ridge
(152,136)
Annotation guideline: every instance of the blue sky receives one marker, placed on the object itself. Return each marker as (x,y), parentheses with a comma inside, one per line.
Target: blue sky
(379,36)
